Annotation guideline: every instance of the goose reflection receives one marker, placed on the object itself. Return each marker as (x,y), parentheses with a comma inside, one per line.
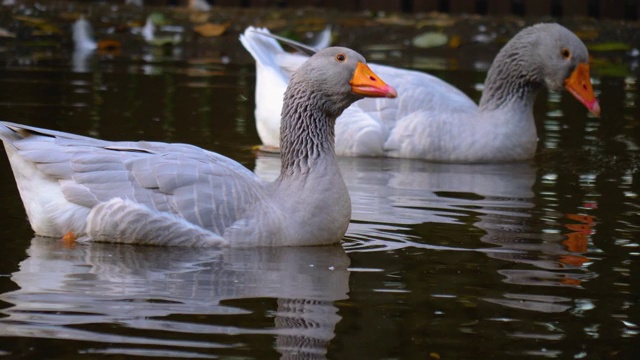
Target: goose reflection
(151,289)
(392,195)
(84,46)
(388,195)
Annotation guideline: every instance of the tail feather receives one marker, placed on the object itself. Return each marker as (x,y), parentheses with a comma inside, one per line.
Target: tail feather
(264,49)
(274,68)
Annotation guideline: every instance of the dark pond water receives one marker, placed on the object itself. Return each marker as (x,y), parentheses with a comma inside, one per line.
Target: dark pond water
(526,260)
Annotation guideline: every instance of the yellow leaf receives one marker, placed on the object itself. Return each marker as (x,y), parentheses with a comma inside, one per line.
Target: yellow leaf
(29,19)
(454,42)
(109,45)
(47,28)
(44,27)
(209,29)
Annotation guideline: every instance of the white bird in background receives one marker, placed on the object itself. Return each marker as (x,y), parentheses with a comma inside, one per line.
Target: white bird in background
(432,119)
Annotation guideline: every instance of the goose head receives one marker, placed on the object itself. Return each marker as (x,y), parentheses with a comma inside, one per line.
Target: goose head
(319,91)
(566,65)
(543,54)
(563,61)
(337,77)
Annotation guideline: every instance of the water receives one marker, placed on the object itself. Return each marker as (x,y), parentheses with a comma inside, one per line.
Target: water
(537,259)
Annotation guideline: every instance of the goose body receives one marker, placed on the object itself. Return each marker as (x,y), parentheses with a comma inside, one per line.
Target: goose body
(178,194)
(431,119)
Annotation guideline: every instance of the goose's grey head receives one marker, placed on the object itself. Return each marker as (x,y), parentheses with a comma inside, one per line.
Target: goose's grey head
(339,76)
(563,60)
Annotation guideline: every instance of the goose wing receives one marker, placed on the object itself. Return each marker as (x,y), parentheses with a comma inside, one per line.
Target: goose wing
(205,189)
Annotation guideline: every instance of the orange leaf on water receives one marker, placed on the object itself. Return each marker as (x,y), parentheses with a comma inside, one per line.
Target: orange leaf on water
(210,29)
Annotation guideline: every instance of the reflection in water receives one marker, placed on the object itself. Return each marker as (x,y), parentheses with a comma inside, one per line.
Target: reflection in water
(64,292)
(405,192)
(81,60)
(389,196)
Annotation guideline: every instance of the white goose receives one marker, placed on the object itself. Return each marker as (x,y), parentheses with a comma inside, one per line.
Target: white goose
(177,194)
(431,119)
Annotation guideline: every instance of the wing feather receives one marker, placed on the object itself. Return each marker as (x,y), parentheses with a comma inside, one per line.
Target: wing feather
(203,188)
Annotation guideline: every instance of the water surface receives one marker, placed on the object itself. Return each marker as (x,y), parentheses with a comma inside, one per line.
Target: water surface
(536,259)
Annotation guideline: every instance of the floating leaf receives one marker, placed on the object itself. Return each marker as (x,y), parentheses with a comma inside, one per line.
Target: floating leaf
(157,18)
(47,29)
(30,20)
(395,20)
(455,41)
(429,40)
(165,40)
(43,27)
(6,33)
(609,46)
(109,45)
(209,29)
(133,24)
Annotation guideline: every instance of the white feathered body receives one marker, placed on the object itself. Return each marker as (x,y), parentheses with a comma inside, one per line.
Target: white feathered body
(164,194)
(430,119)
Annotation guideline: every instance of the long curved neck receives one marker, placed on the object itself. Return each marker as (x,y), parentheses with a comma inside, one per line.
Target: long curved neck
(513,79)
(307,134)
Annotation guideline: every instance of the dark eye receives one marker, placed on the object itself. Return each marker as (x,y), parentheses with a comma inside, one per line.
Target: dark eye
(566,53)
(341,57)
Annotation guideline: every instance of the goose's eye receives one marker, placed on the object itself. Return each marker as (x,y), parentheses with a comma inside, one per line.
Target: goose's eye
(341,57)
(566,53)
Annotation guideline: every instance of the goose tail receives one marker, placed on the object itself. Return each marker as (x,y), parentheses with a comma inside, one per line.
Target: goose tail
(271,82)
(263,48)
(323,40)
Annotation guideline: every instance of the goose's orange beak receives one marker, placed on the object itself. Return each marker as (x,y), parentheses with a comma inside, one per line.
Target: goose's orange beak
(579,85)
(366,83)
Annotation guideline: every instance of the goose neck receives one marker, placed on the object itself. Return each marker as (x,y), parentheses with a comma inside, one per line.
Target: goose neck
(512,80)
(307,133)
